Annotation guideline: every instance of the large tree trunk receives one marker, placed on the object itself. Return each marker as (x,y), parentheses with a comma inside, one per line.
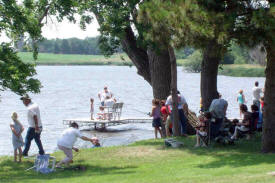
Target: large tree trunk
(153,66)
(160,73)
(174,89)
(268,139)
(209,71)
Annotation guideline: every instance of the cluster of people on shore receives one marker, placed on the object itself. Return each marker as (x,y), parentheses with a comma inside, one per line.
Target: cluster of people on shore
(65,142)
(162,118)
(214,120)
(107,100)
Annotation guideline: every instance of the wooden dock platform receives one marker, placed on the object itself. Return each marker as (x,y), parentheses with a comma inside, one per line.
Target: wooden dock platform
(106,123)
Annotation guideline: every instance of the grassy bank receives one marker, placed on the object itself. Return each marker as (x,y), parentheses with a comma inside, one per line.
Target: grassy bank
(150,162)
(242,70)
(71,59)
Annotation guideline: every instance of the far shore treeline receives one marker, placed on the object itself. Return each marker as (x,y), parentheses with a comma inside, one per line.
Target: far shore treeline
(192,57)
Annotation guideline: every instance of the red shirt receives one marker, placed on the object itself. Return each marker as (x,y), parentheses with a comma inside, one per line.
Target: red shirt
(163,110)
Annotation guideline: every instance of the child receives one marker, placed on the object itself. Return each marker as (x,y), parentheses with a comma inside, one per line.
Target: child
(156,117)
(17,140)
(101,115)
(92,109)
(241,100)
(95,142)
(202,128)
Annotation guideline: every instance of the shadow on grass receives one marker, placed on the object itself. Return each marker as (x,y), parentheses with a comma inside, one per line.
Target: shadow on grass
(242,153)
(14,172)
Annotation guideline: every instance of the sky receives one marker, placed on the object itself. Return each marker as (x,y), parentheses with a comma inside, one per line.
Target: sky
(66,29)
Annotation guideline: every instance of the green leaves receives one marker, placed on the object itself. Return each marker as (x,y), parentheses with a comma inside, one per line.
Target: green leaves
(16,75)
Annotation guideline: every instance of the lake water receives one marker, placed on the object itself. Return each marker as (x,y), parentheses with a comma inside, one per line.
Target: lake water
(67,89)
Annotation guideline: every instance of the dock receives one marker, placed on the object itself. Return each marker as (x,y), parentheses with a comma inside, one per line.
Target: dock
(101,124)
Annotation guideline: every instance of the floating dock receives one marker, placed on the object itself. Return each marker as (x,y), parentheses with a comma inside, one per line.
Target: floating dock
(106,123)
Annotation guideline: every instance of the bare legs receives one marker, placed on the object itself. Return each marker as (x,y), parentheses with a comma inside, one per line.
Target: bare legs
(157,129)
(19,154)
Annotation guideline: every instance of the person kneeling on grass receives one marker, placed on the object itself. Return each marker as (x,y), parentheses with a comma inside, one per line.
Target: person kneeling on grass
(66,141)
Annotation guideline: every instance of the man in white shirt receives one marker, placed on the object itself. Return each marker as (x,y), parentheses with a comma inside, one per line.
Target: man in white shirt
(257,94)
(66,142)
(35,125)
(182,106)
(103,95)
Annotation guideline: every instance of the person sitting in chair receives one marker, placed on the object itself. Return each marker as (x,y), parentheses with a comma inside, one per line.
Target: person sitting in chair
(244,126)
(202,130)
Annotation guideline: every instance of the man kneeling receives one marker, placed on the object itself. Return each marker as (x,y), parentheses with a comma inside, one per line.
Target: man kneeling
(66,141)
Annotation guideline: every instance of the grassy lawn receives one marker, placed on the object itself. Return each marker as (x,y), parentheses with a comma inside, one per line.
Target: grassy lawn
(150,161)
(71,59)
(243,70)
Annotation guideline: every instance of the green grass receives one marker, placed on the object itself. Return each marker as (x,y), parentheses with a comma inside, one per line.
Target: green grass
(72,59)
(151,162)
(242,70)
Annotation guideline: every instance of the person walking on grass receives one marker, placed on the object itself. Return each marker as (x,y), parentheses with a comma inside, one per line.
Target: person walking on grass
(241,100)
(35,125)
(66,143)
(156,117)
(17,140)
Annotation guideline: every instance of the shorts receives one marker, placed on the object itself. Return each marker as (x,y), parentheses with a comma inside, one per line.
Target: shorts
(156,123)
(168,122)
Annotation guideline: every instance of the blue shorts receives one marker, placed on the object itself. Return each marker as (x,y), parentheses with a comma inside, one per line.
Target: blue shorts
(156,122)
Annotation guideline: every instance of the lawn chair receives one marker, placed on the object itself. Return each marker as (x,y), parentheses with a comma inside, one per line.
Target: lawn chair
(42,162)
(206,139)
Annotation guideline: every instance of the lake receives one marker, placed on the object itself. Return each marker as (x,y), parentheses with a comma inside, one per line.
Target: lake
(67,91)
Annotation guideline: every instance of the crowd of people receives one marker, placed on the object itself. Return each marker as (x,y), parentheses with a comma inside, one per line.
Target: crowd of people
(212,122)
(214,119)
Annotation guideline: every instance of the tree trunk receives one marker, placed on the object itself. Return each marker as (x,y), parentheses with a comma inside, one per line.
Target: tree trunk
(174,89)
(209,71)
(153,66)
(268,139)
(160,73)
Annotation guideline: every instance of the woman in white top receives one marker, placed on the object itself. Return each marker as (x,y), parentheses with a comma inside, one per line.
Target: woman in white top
(66,141)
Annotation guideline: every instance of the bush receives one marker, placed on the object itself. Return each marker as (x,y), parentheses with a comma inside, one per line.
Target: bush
(193,62)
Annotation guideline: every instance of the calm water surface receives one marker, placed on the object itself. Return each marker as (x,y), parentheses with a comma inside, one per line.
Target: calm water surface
(67,89)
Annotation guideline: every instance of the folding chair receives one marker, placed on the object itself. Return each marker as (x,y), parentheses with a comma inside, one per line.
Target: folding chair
(42,162)
(206,139)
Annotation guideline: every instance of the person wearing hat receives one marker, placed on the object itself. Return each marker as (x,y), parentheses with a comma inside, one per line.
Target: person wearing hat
(35,125)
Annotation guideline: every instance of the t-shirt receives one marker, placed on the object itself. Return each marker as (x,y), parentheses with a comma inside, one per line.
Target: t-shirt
(181,101)
(256,93)
(33,110)
(69,137)
(164,111)
(109,102)
(217,108)
(103,95)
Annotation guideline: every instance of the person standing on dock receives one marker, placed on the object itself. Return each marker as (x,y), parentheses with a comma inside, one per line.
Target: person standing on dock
(103,95)
(35,125)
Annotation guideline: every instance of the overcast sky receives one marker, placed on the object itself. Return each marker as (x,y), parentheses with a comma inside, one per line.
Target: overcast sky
(66,29)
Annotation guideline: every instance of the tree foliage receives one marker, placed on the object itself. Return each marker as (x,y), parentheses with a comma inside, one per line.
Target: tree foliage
(18,21)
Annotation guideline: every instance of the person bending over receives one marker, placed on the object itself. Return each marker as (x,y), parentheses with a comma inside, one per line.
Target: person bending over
(66,143)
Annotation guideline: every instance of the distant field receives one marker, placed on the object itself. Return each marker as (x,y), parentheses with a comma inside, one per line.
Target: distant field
(242,70)
(70,59)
